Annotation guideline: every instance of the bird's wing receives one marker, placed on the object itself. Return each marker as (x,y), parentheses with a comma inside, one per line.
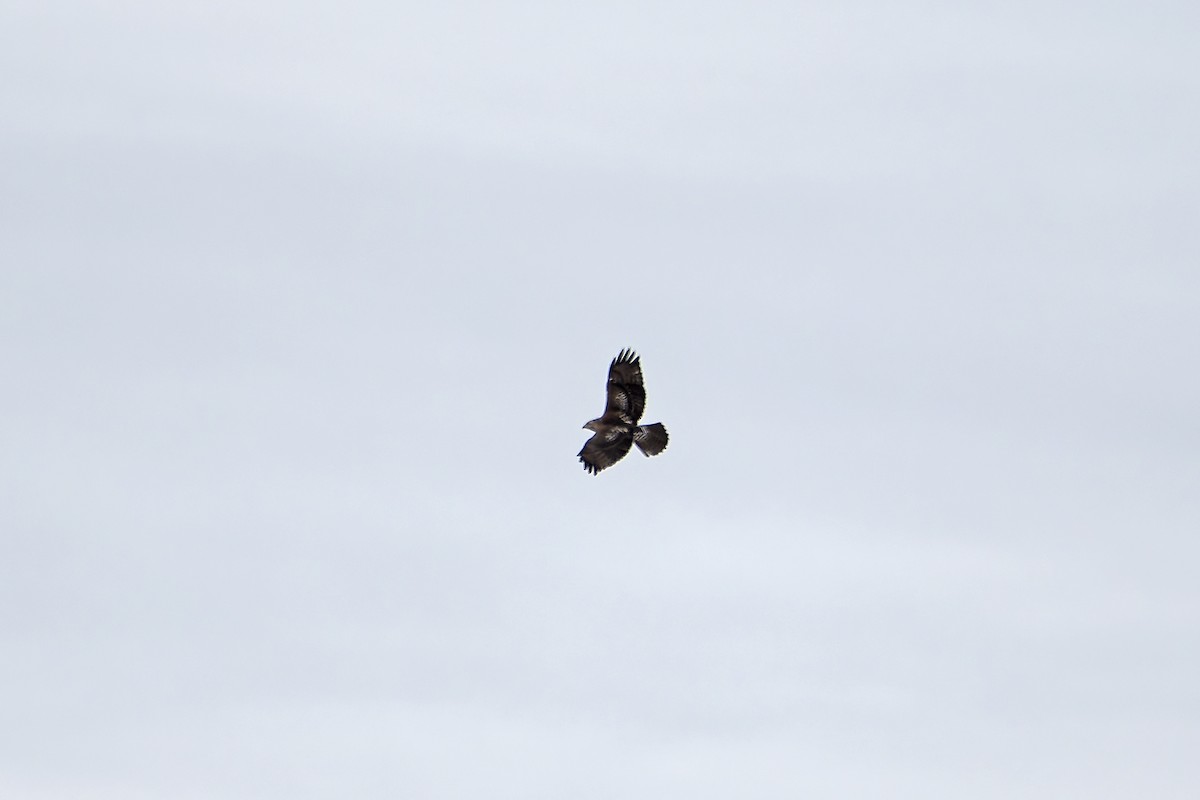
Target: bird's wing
(607,447)
(626,394)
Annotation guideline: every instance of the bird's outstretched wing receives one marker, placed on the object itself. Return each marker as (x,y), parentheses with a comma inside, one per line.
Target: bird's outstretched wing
(607,447)
(626,394)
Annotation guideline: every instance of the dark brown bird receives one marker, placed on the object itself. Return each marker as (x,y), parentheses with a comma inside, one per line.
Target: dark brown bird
(618,430)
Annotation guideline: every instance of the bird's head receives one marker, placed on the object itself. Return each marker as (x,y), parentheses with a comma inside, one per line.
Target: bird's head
(592,425)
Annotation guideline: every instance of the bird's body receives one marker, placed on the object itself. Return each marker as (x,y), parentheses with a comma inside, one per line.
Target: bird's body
(617,430)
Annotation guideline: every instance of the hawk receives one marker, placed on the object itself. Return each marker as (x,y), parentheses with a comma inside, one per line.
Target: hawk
(618,430)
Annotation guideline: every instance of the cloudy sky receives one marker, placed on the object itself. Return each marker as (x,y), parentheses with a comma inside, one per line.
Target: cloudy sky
(303,305)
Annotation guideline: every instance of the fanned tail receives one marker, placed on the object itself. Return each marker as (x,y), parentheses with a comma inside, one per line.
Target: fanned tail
(651,439)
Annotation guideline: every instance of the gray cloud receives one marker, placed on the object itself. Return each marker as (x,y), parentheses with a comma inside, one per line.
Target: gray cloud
(303,308)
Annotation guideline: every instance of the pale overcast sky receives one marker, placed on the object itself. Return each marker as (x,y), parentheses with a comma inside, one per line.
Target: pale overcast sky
(303,306)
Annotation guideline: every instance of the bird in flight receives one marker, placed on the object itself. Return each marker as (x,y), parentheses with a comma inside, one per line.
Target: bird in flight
(617,430)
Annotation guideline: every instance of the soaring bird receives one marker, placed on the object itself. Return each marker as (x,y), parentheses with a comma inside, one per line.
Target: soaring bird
(617,430)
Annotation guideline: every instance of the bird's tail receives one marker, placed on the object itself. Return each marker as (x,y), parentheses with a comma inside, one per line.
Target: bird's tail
(651,439)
